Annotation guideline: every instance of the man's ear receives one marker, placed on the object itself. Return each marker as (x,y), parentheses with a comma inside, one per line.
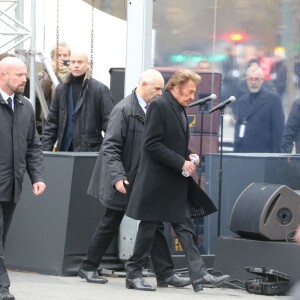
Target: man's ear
(144,84)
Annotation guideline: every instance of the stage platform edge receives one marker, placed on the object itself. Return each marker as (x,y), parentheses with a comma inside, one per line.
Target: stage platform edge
(233,254)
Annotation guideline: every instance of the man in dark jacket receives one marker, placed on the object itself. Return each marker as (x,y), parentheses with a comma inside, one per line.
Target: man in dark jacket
(259,117)
(278,73)
(20,149)
(230,74)
(114,176)
(291,134)
(79,111)
(160,192)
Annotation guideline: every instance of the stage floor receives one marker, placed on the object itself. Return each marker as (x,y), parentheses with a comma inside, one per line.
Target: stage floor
(34,286)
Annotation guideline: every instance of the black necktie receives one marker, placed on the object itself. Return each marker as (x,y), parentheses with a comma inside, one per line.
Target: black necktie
(9,101)
(183,118)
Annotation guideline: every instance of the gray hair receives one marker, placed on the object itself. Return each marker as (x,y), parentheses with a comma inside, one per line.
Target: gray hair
(255,69)
(60,45)
(149,76)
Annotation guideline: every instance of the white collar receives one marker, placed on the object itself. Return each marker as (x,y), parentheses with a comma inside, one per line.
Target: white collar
(5,96)
(142,102)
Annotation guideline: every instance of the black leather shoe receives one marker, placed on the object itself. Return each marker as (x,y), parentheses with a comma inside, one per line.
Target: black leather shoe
(140,284)
(91,276)
(6,296)
(197,286)
(174,280)
(210,280)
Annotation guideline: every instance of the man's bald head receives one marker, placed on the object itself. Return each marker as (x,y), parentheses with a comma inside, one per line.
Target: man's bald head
(80,53)
(79,63)
(13,74)
(150,75)
(11,62)
(151,83)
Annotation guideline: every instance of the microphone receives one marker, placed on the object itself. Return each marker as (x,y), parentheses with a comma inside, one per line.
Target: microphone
(223,104)
(204,100)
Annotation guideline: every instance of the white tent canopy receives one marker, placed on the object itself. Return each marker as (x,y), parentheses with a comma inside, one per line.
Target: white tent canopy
(75,29)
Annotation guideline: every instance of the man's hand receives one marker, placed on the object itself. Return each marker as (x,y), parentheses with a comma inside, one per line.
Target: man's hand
(195,156)
(189,167)
(38,188)
(120,186)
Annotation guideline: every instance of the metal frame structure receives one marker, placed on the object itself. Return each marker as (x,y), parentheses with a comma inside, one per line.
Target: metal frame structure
(20,33)
(17,31)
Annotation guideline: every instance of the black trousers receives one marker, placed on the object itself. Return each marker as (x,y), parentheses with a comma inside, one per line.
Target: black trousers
(187,238)
(145,240)
(6,214)
(104,234)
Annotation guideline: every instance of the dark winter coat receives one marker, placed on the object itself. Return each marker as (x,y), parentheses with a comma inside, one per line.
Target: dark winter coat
(20,147)
(230,76)
(89,119)
(160,192)
(279,76)
(291,132)
(120,154)
(264,123)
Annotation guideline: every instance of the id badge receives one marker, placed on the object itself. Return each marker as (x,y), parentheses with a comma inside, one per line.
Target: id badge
(242,131)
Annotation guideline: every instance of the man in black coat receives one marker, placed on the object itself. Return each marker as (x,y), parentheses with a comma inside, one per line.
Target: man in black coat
(79,110)
(291,134)
(230,74)
(160,192)
(114,175)
(20,149)
(259,117)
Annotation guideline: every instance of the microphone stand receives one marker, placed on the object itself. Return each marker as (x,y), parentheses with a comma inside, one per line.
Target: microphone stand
(221,107)
(195,221)
(200,146)
(220,175)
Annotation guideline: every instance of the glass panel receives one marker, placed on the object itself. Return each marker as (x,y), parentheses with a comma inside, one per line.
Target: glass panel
(220,39)
(226,37)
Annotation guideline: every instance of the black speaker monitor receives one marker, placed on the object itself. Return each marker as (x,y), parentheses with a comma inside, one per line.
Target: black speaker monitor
(266,211)
(117,77)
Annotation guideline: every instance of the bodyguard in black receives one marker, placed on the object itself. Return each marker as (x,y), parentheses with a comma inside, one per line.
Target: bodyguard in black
(113,178)
(20,150)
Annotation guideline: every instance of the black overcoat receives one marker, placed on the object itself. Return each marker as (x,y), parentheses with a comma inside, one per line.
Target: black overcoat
(160,191)
(20,148)
(119,155)
(291,132)
(264,123)
(90,116)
